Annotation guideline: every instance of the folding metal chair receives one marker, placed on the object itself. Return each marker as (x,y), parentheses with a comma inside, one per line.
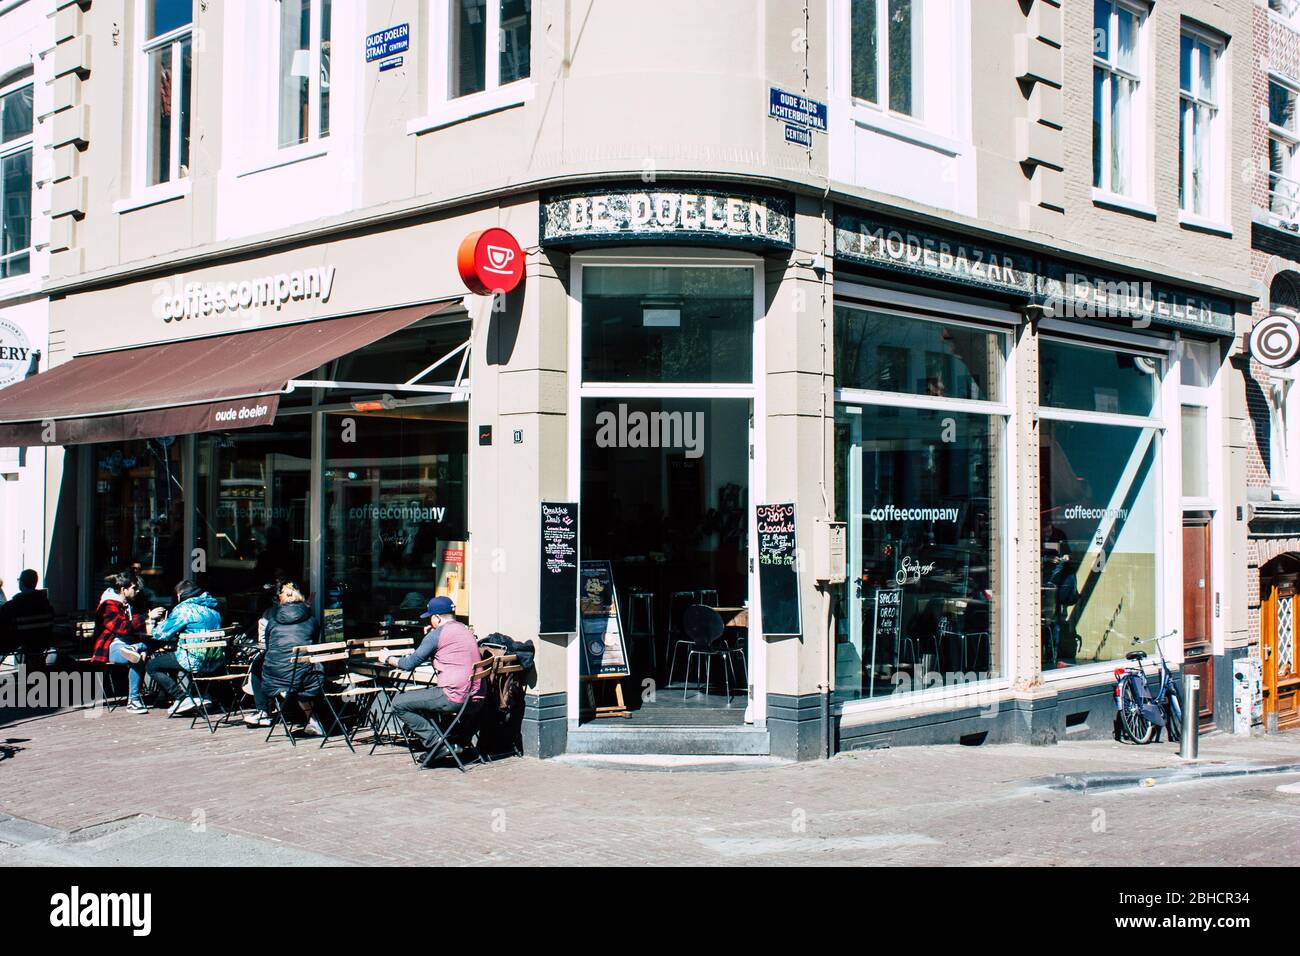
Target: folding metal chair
(192,684)
(306,657)
(442,742)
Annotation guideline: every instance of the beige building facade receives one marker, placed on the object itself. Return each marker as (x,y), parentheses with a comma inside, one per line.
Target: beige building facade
(962,283)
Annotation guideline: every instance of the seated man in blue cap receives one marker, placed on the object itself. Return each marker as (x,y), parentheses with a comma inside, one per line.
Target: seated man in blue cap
(454,652)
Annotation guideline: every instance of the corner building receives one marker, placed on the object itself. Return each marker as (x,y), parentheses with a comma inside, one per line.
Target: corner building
(919,269)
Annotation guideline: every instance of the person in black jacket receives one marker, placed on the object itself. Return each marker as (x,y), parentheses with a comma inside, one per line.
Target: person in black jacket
(26,620)
(289,625)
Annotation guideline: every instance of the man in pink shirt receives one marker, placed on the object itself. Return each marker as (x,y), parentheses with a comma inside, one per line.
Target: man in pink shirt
(454,652)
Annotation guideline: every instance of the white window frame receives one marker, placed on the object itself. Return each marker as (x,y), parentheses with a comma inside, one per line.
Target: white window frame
(176,185)
(1284,187)
(1280,393)
(1168,520)
(1289,12)
(444,109)
(1202,397)
(315,142)
(946,312)
(1214,182)
(13,148)
(882,61)
(1137,197)
(755,390)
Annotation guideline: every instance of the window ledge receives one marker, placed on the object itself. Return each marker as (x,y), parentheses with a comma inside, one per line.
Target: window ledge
(1189,220)
(286,156)
(478,104)
(909,130)
(153,195)
(1109,200)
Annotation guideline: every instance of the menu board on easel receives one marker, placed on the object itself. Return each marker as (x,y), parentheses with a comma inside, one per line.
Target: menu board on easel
(603,648)
(887,626)
(558,591)
(778,569)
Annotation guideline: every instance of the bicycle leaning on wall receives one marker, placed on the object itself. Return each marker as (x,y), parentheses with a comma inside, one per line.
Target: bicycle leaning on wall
(1140,716)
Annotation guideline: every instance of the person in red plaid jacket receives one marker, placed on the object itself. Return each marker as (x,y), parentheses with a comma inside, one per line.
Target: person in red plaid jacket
(120,633)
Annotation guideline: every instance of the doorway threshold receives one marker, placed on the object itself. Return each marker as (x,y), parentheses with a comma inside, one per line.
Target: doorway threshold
(622,737)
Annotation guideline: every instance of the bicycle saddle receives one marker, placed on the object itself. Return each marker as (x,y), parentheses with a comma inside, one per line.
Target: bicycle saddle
(1136,655)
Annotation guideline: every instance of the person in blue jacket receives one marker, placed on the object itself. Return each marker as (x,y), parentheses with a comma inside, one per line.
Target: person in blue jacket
(196,611)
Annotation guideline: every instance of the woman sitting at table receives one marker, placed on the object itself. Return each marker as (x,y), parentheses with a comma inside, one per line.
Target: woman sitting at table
(291,624)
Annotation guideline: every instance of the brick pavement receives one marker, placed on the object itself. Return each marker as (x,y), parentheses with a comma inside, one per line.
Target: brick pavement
(908,805)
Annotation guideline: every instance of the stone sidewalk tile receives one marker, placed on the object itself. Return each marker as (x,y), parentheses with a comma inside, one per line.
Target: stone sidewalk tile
(909,805)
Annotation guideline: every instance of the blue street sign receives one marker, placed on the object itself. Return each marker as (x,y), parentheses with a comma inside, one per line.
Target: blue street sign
(797,110)
(387,42)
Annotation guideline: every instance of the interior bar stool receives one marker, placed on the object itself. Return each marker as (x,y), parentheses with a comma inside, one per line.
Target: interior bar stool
(641,621)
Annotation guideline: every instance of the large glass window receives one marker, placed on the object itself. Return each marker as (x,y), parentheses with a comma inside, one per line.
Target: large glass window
(251,516)
(1199,178)
(167,68)
(490,44)
(885,42)
(304,70)
(889,352)
(1283,142)
(138,515)
(15,179)
(395,513)
(1099,492)
(1096,380)
(921,492)
(667,325)
(1117,79)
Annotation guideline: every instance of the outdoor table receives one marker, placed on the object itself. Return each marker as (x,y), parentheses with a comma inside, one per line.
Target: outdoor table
(391,681)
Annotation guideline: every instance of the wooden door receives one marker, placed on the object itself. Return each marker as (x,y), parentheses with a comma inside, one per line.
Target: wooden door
(1198,611)
(1278,646)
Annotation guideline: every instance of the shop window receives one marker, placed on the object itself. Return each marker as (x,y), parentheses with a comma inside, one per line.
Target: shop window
(667,325)
(1118,110)
(1196,452)
(167,78)
(303,72)
(395,515)
(16,179)
(138,517)
(888,352)
(1200,138)
(922,492)
(1199,363)
(885,43)
(403,355)
(251,515)
(1096,379)
(1283,141)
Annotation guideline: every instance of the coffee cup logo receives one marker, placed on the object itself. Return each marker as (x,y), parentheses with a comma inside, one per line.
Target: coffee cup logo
(499,259)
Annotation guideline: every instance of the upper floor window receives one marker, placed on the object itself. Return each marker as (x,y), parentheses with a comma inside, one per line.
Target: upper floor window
(885,38)
(1200,150)
(489,44)
(303,72)
(1287,9)
(167,64)
(1283,140)
(1117,106)
(16,179)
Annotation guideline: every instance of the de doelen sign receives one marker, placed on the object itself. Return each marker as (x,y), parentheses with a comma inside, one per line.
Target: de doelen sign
(757,219)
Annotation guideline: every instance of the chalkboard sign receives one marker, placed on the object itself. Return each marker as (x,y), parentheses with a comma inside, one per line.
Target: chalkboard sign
(559,568)
(887,626)
(778,569)
(603,650)
(331,625)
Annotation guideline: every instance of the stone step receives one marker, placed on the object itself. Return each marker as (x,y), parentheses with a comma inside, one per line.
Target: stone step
(744,741)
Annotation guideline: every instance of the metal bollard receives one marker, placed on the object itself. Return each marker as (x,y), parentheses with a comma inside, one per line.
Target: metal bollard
(1190,744)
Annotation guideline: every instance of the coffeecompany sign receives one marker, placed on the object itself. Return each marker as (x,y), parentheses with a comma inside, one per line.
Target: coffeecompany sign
(176,299)
(763,220)
(15,353)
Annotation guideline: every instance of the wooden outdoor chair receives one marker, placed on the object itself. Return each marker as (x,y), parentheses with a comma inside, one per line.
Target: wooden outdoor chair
(224,677)
(336,696)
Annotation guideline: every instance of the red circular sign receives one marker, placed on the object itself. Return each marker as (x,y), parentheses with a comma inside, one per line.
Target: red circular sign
(490,261)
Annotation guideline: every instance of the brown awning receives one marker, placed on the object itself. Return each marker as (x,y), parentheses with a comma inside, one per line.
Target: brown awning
(175,388)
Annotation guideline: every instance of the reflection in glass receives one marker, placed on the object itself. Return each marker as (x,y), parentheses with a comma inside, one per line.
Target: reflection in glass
(887,352)
(900,56)
(1096,379)
(468,47)
(1196,452)
(667,324)
(15,213)
(516,40)
(160,115)
(16,114)
(295,70)
(921,494)
(395,513)
(251,517)
(865,85)
(1099,495)
(138,514)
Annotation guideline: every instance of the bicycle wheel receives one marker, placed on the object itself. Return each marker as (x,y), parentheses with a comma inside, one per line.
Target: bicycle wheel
(1135,724)
(1173,708)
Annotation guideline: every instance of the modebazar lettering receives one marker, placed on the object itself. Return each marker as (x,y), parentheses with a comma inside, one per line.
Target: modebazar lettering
(177,299)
